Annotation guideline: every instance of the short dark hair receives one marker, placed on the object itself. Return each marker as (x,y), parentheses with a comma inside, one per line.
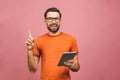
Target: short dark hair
(52,9)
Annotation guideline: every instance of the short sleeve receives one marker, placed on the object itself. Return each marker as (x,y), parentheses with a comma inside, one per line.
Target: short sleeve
(36,50)
(74,47)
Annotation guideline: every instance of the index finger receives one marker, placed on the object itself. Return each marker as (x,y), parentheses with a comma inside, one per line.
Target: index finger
(29,33)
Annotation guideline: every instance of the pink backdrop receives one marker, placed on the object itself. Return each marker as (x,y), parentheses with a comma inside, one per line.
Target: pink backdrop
(94,23)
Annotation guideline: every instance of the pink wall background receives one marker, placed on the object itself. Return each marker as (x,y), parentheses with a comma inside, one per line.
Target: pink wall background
(94,23)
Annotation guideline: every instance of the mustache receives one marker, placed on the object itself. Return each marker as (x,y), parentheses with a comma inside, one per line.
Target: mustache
(54,24)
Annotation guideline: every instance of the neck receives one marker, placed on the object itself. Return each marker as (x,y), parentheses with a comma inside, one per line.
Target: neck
(54,34)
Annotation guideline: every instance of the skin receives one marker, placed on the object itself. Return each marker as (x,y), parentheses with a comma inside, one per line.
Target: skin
(50,22)
(53,24)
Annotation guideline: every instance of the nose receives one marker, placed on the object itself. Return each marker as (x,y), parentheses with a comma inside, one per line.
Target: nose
(53,21)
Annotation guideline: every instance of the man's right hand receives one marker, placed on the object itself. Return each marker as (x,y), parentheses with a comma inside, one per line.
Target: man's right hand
(30,42)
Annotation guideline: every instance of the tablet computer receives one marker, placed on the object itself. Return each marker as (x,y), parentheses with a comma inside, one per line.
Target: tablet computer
(66,56)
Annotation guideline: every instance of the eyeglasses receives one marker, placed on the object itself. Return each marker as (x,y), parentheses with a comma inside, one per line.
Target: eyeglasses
(51,19)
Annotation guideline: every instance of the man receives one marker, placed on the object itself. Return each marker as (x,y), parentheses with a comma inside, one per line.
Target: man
(49,47)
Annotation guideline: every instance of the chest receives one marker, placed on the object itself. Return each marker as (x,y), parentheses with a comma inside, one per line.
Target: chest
(55,45)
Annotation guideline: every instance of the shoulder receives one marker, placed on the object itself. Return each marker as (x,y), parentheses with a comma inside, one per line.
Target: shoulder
(68,35)
(41,37)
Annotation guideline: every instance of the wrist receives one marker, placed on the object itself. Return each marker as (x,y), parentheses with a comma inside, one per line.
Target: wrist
(29,49)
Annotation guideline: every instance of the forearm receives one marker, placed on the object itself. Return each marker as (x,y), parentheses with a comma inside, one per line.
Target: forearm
(32,65)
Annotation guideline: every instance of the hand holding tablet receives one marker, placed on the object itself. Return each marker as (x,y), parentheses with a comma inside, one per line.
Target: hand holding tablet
(66,56)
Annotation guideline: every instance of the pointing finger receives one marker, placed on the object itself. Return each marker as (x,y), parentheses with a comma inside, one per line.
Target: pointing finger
(30,33)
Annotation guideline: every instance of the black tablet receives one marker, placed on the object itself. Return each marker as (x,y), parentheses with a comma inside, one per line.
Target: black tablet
(66,56)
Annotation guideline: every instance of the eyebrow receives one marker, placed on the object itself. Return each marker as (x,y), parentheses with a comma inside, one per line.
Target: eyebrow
(52,17)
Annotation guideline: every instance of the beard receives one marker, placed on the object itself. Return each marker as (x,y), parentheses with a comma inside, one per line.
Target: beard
(53,28)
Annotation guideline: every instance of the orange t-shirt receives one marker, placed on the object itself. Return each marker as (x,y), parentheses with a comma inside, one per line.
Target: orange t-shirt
(50,49)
